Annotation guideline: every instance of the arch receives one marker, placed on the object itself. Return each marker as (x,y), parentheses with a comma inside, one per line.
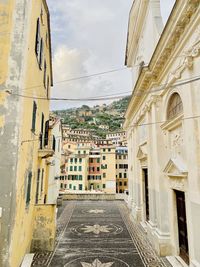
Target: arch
(174,107)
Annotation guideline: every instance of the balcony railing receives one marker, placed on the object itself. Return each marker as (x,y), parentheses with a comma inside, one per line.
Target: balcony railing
(47,146)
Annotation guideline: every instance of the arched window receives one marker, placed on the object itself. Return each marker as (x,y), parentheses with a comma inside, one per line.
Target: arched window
(175,106)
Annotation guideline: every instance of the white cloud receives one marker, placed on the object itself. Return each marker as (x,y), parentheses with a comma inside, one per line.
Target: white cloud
(89,36)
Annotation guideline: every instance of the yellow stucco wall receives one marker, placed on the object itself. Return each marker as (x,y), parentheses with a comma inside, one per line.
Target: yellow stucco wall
(6,13)
(29,141)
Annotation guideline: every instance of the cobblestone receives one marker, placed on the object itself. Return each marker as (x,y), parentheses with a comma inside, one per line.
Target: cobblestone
(99,234)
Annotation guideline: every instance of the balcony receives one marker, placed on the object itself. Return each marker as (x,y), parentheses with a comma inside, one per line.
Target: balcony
(47,147)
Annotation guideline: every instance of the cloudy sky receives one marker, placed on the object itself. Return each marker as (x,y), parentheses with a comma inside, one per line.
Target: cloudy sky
(89,37)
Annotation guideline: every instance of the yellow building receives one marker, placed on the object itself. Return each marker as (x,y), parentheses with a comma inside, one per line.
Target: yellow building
(25,143)
(108,169)
(121,169)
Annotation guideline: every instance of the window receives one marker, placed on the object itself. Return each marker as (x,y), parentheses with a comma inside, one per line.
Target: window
(98,160)
(125,157)
(98,169)
(71,160)
(80,160)
(41,131)
(120,157)
(37,39)
(104,186)
(120,175)
(125,183)
(104,150)
(105,166)
(80,168)
(120,183)
(34,116)
(125,175)
(80,177)
(45,73)
(91,160)
(41,54)
(46,134)
(75,168)
(116,166)
(84,152)
(28,191)
(80,187)
(104,157)
(37,187)
(104,175)
(42,182)
(79,152)
(175,106)
(54,144)
(70,186)
(109,149)
(71,168)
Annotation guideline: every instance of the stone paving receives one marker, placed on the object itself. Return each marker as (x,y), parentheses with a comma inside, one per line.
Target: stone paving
(99,234)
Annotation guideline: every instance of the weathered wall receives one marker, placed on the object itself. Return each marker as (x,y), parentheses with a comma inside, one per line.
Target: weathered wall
(44,228)
(12,43)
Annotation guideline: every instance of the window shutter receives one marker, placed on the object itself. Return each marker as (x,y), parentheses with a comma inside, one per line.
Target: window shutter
(37,38)
(42,131)
(46,135)
(41,53)
(45,73)
(34,116)
(54,143)
(28,193)
(37,186)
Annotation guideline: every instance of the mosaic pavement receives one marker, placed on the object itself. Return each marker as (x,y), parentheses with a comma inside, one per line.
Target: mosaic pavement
(99,234)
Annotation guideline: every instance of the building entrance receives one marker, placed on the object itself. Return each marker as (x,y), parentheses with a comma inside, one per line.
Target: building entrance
(182,226)
(146,192)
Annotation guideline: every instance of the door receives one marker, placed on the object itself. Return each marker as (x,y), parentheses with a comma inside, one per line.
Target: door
(182,226)
(146,192)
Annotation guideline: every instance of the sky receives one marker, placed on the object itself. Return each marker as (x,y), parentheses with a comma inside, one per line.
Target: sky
(89,37)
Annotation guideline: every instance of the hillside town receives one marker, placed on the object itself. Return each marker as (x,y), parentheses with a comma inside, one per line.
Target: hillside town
(102,177)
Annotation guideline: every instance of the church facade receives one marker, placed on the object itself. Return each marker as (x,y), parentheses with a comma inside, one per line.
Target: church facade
(163,127)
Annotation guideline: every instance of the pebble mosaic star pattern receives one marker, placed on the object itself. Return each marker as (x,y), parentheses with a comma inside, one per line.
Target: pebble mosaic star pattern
(99,234)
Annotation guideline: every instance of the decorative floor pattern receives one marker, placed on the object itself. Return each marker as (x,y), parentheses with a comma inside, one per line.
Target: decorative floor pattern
(99,234)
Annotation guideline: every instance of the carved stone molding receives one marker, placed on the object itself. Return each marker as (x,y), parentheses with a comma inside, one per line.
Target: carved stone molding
(177,183)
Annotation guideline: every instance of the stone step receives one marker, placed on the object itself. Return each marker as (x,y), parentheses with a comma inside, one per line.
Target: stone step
(176,261)
(27,260)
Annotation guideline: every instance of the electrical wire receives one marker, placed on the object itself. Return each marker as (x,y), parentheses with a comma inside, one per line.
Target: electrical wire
(93,75)
(112,96)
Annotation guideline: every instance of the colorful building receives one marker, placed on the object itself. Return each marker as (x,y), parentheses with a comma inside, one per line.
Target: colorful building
(121,169)
(108,169)
(25,144)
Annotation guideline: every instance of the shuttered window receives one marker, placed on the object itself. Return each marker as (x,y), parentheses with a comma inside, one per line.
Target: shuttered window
(37,187)
(37,39)
(54,143)
(45,74)
(34,116)
(28,192)
(46,135)
(41,54)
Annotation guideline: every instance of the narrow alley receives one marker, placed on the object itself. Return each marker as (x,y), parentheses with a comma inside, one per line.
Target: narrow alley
(98,234)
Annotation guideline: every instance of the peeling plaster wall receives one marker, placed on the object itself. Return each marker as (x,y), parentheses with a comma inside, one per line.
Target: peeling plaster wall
(44,228)
(12,43)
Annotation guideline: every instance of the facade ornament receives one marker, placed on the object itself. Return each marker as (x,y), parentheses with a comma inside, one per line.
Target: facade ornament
(187,61)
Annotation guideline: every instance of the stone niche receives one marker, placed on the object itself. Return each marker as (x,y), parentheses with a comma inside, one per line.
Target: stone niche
(44,229)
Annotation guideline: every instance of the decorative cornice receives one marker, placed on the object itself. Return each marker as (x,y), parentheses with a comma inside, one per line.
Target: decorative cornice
(179,20)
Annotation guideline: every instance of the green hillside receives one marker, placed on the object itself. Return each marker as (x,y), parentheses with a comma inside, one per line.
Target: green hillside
(110,117)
